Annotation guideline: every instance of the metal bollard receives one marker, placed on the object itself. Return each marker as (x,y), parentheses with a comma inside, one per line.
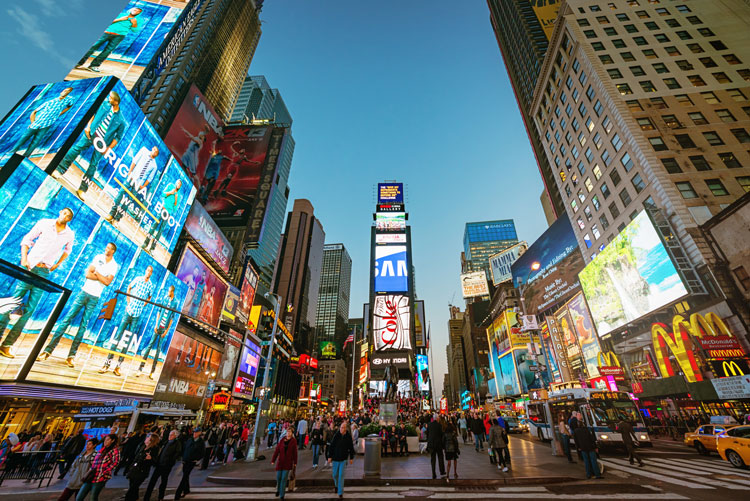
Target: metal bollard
(372,456)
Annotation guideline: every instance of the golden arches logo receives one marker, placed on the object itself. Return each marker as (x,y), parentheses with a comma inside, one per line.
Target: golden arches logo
(608,359)
(730,366)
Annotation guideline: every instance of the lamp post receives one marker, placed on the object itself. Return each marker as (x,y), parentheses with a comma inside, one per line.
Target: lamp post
(264,388)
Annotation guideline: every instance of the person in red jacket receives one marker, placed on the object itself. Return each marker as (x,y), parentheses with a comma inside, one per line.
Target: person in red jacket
(285,458)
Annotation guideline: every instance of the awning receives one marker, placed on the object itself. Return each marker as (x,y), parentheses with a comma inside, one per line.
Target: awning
(169,412)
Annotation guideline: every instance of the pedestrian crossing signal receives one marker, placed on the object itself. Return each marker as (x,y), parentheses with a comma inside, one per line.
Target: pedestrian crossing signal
(109,309)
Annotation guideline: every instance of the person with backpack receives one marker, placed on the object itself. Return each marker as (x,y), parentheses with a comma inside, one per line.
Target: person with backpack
(102,467)
(341,448)
(144,458)
(285,459)
(498,440)
(450,445)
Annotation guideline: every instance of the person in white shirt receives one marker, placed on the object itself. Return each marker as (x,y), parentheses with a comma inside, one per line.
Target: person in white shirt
(141,174)
(43,250)
(99,275)
(301,433)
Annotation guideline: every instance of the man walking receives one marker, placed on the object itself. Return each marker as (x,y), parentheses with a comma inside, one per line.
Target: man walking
(167,458)
(301,433)
(172,198)
(70,450)
(42,119)
(477,429)
(435,445)
(586,444)
(626,430)
(195,448)
(112,37)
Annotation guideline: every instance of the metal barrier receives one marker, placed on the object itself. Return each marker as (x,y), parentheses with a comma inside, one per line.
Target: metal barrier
(32,466)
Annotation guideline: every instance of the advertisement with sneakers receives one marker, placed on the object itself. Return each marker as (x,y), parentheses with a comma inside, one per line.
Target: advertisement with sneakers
(124,306)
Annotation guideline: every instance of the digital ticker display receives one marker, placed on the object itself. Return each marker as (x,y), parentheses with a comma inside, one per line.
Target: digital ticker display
(390,193)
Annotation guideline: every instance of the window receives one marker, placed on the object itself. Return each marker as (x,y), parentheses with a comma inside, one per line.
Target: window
(595,8)
(581,224)
(576,65)
(660,67)
(595,202)
(684,99)
(604,222)
(649,53)
(672,50)
(583,22)
(651,25)
(588,184)
(582,78)
(627,162)
(713,138)
(597,139)
(568,138)
(698,118)
(647,86)
(589,155)
(683,8)
(732,59)
(661,37)
(742,277)
(640,40)
(672,23)
(671,165)
(684,35)
(597,46)
(686,189)
(645,123)
(657,143)
(605,191)
(744,182)
(587,213)
(568,110)
(708,62)
(597,172)
(575,95)
(695,48)
(658,103)
(607,124)
(634,105)
(625,197)
(683,64)
(696,80)
(615,177)
(627,56)
(616,142)
(607,59)
(581,196)
(638,183)
(590,93)
(622,17)
(569,82)
(662,11)
(672,83)
(606,158)
(716,187)
(706,32)
(671,121)
(730,161)
(618,43)
(700,163)
(642,14)
(630,28)
(614,210)
(587,240)
(582,109)
(590,33)
(598,108)
(741,135)
(589,124)
(610,31)
(614,73)
(685,140)
(718,45)
(637,71)
(574,152)
(725,116)
(745,74)
(574,124)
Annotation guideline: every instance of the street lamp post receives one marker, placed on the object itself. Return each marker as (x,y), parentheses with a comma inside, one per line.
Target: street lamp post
(264,388)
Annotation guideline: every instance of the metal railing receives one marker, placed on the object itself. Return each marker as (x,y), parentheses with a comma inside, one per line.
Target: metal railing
(30,466)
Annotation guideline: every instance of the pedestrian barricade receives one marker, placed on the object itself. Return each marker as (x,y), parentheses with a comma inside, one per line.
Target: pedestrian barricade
(32,467)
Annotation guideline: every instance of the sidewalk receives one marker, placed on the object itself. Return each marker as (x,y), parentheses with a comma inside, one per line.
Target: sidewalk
(530,463)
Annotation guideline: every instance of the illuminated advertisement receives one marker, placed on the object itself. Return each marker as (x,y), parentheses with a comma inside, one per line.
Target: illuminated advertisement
(423,373)
(474,284)
(391,273)
(420,331)
(549,349)
(247,293)
(50,232)
(204,297)
(189,365)
(390,221)
(631,277)
(507,378)
(329,350)
(247,369)
(231,305)
(207,234)
(228,184)
(232,350)
(501,262)
(559,258)
(390,238)
(546,12)
(587,338)
(390,193)
(390,321)
(130,42)
(569,337)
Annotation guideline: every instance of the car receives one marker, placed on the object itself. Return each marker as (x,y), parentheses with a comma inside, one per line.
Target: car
(513,425)
(524,424)
(703,439)
(733,445)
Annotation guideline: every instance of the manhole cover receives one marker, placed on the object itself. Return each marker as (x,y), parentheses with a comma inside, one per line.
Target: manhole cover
(416,494)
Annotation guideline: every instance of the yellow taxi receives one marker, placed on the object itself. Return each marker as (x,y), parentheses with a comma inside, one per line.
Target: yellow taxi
(734,445)
(704,438)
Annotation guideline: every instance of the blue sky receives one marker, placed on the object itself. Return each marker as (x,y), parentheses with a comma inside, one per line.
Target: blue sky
(414,91)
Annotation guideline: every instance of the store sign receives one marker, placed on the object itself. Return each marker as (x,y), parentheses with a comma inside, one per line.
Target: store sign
(732,388)
(529,323)
(617,372)
(342,406)
(637,387)
(382,360)
(730,368)
(231,304)
(207,234)
(97,409)
(443,405)
(220,401)
(474,284)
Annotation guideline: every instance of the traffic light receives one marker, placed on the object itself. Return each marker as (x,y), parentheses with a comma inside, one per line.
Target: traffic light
(109,309)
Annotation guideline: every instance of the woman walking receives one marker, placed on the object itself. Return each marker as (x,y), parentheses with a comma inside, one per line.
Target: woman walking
(80,467)
(316,441)
(104,464)
(498,442)
(450,446)
(146,456)
(341,447)
(285,458)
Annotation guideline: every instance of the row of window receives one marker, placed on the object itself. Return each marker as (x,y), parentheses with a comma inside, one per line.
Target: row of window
(682,64)
(700,163)
(686,141)
(671,50)
(672,83)
(651,25)
(715,186)
(662,11)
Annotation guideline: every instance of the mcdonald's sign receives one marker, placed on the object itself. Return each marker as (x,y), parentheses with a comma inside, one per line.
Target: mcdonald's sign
(730,368)
(609,365)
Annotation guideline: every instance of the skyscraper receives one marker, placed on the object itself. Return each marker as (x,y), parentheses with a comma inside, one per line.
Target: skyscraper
(257,99)
(485,238)
(297,280)
(522,29)
(333,297)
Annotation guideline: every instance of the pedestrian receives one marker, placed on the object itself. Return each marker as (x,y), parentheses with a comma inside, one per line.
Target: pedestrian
(450,445)
(435,445)
(193,452)
(71,448)
(564,432)
(497,442)
(586,444)
(341,447)
(393,440)
(168,456)
(144,458)
(79,469)
(477,429)
(403,445)
(462,427)
(302,433)
(285,458)
(629,441)
(102,466)
(316,440)
(271,432)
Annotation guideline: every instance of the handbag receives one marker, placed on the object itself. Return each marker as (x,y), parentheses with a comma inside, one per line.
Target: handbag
(292,479)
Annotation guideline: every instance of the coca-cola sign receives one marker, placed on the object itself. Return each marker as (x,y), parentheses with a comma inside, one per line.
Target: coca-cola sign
(391,320)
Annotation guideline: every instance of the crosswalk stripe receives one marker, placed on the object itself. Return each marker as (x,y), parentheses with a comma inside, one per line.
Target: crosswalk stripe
(383,488)
(498,494)
(709,482)
(656,476)
(663,463)
(716,466)
(666,495)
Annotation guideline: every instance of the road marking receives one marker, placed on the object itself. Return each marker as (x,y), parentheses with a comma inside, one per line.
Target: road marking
(717,466)
(655,476)
(383,488)
(710,482)
(663,463)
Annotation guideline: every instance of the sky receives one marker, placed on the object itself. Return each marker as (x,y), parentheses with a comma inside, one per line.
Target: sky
(411,91)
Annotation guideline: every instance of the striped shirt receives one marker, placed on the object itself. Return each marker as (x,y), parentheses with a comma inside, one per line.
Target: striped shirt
(49,111)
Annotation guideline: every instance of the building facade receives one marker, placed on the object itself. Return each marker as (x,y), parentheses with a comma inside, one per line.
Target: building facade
(332,378)
(482,239)
(332,316)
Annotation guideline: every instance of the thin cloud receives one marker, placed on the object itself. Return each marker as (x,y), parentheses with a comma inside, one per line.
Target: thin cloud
(51,8)
(30,28)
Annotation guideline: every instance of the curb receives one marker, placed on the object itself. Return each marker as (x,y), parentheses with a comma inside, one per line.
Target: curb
(406,482)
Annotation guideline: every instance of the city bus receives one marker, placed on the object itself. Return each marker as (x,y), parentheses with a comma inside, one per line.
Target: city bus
(601,411)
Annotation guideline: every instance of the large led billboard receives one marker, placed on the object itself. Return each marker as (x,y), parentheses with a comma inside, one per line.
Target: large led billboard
(423,373)
(391,271)
(207,234)
(51,233)
(247,369)
(204,299)
(391,323)
(390,193)
(500,263)
(104,151)
(390,238)
(130,41)
(584,328)
(247,293)
(232,350)
(329,350)
(420,325)
(390,221)
(630,277)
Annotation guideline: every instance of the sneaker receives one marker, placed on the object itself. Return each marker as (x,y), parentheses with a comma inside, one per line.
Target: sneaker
(315,466)
(117,372)
(95,69)
(505,469)
(43,356)
(499,467)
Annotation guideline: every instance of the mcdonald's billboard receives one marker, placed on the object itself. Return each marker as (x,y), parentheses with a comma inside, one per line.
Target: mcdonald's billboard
(730,368)
(609,365)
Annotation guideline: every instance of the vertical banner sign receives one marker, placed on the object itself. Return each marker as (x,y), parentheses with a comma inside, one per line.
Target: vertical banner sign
(419,325)
(546,12)
(263,193)
(587,338)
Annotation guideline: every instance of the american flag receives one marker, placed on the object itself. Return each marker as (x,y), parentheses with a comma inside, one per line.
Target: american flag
(350,339)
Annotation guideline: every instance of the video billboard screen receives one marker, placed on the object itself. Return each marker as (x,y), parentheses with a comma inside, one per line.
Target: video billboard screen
(232,351)
(560,260)
(247,369)
(190,363)
(508,378)
(390,193)
(390,221)
(130,41)
(391,323)
(570,340)
(329,350)
(204,297)
(500,263)
(230,179)
(207,234)
(584,328)
(391,271)
(231,304)
(420,329)
(631,277)
(50,232)
(390,238)
(247,293)
(423,373)
(474,284)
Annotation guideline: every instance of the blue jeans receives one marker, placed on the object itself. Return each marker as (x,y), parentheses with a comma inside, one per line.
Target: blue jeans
(95,489)
(478,437)
(130,323)
(565,442)
(110,41)
(85,302)
(35,295)
(338,475)
(81,145)
(281,478)
(36,136)
(592,467)
(316,454)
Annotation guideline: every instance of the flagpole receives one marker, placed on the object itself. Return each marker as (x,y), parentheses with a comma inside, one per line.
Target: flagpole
(432,381)
(354,349)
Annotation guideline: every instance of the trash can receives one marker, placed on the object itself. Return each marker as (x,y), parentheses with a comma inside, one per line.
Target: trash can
(372,456)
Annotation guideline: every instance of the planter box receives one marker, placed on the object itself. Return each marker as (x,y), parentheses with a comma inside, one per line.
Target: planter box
(411,442)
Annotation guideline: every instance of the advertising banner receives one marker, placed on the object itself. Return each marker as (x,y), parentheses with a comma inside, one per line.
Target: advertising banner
(507,378)
(247,369)
(232,349)
(551,355)
(231,304)
(247,292)
(257,215)
(546,12)
(500,263)
(391,329)
(390,193)
(631,277)
(400,359)
(204,298)
(570,339)
(560,348)
(584,328)
(732,388)
(391,271)
(390,238)
(423,373)
(560,260)
(50,232)
(130,42)
(390,221)
(474,284)
(207,234)
(329,350)
(420,334)
(187,369)
(729,368)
